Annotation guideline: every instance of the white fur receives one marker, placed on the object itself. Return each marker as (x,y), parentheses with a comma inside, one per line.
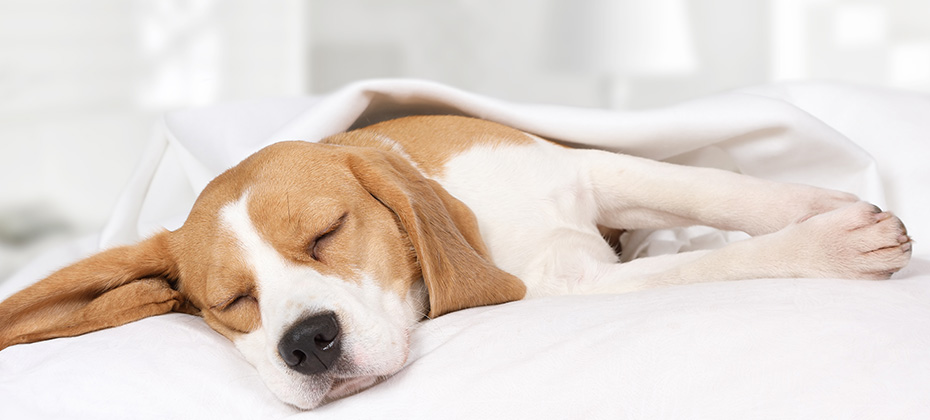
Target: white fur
(539,206)
(527,199)
(374,323)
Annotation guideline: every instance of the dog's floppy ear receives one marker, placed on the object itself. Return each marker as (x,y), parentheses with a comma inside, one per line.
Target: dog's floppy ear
(105,290)
(444,233)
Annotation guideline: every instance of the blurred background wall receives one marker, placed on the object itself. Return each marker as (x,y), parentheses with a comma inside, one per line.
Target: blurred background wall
(83,81)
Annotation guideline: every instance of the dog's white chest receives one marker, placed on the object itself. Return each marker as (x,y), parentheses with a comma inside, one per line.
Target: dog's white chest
(535,211)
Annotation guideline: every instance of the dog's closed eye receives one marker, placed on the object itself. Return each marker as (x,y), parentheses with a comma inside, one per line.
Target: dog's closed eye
(318,244)
(239,313)
(234,301)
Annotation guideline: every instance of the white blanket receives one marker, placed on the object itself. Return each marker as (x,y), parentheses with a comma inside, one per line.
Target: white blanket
(773,348)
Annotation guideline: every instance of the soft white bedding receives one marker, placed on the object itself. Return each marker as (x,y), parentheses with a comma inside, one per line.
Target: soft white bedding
(772,348)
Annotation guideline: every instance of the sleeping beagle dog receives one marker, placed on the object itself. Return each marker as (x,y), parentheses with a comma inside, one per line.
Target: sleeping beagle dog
(317,259)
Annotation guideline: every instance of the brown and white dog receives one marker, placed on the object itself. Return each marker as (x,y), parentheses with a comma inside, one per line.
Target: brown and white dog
(317,259)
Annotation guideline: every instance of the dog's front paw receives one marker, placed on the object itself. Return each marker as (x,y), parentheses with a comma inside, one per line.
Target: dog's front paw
(857,241)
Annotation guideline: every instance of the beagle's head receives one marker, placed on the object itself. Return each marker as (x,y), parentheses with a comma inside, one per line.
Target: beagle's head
(314,260)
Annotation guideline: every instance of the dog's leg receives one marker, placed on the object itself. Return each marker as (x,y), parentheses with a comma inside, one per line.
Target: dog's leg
(857,241)
(636,193)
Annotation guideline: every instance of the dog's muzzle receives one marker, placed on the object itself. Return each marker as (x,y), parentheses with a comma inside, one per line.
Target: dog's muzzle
(312,345)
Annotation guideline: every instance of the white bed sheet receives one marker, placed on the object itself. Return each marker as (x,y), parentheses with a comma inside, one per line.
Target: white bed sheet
(772,348)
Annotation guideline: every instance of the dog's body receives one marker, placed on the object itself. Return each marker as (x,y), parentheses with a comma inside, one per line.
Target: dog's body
(316,260)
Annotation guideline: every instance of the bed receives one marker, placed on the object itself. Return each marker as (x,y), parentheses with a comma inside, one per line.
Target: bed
(767,348)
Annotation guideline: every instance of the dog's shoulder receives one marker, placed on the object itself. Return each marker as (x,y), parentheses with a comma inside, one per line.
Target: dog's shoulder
(431,141)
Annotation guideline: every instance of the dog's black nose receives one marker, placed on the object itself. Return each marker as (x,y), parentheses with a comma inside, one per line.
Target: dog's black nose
(311,345)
